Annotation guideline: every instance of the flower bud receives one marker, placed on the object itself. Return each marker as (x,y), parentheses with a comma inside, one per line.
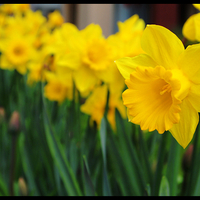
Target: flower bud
(22,187)
(187,158)
(2,115)
(14,124)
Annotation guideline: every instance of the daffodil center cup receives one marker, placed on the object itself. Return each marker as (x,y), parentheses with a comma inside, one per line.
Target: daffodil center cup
(18,51)
(154,96)
(166,88)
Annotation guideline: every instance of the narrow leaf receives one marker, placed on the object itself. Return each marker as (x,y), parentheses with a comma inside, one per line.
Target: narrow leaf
(89,187)
(164,187)
(27,166)
(106,185)
(66,173)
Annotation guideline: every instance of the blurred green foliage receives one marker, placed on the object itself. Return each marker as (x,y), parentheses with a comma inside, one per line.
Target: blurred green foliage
(58,153)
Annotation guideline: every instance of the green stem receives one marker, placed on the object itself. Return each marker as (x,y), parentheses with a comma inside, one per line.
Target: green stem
(173,166)
(159,167)
(195,164)
(12,164)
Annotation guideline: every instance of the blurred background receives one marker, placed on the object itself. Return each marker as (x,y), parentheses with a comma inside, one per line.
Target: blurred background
(172,16)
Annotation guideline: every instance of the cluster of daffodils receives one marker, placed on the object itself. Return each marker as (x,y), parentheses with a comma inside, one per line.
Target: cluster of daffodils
(163,78)
(64,57)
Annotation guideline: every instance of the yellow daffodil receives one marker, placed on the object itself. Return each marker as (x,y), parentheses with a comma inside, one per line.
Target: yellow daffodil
(21,7)
(191,28)
(95,105)
(127,39)
(96,56)
(163,84)
(55,91)
(59,86)
(13,8)
(7,8)
(37,68)
(55,19)
(65,55)
(126,43)
(16,52)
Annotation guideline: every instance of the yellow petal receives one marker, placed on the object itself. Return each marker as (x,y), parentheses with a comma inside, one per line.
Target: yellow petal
(183,131)
(91,31)
(127,65)
(197,6)
(84,79)
(189,62)
(162,45)
(150,99)
(71,60)
(191,28)
(194,96)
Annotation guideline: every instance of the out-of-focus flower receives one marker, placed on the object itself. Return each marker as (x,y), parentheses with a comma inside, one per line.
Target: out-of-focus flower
(22,187)
(126,43)
(55,91)
(96,56)
(55,19)
(197,6)
(14,123)
(191,28)
(127,40)
(16,52)
(2,115)
(14,8)
(187,157)
(163,84)
(59,86)
(96,103)
(21,7)
(7,8)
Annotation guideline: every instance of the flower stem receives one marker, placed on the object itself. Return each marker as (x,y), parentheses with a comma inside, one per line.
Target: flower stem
(12,164)
(159,167)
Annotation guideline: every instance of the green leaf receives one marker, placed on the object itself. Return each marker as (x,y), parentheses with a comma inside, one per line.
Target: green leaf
(160,164)
(194,172)
(145,157)
(173,166)
(27,166)
(3,187)
(148,190)
(130,157)
(58,155)
(164,187)
(89,187)
(106,185)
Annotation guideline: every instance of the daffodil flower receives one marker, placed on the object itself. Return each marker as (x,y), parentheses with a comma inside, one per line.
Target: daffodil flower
(163,84)
(191,28)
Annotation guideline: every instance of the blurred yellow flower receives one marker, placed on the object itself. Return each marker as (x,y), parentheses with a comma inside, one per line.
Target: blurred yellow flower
(55,91)
(55,19)
(95,106)
(21,7)
(65,55)
(16,52)
(127,40)
(7,8)
(163,84)
(13,8)
(197,6)
(191,28)
(96,57)
(60,84)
